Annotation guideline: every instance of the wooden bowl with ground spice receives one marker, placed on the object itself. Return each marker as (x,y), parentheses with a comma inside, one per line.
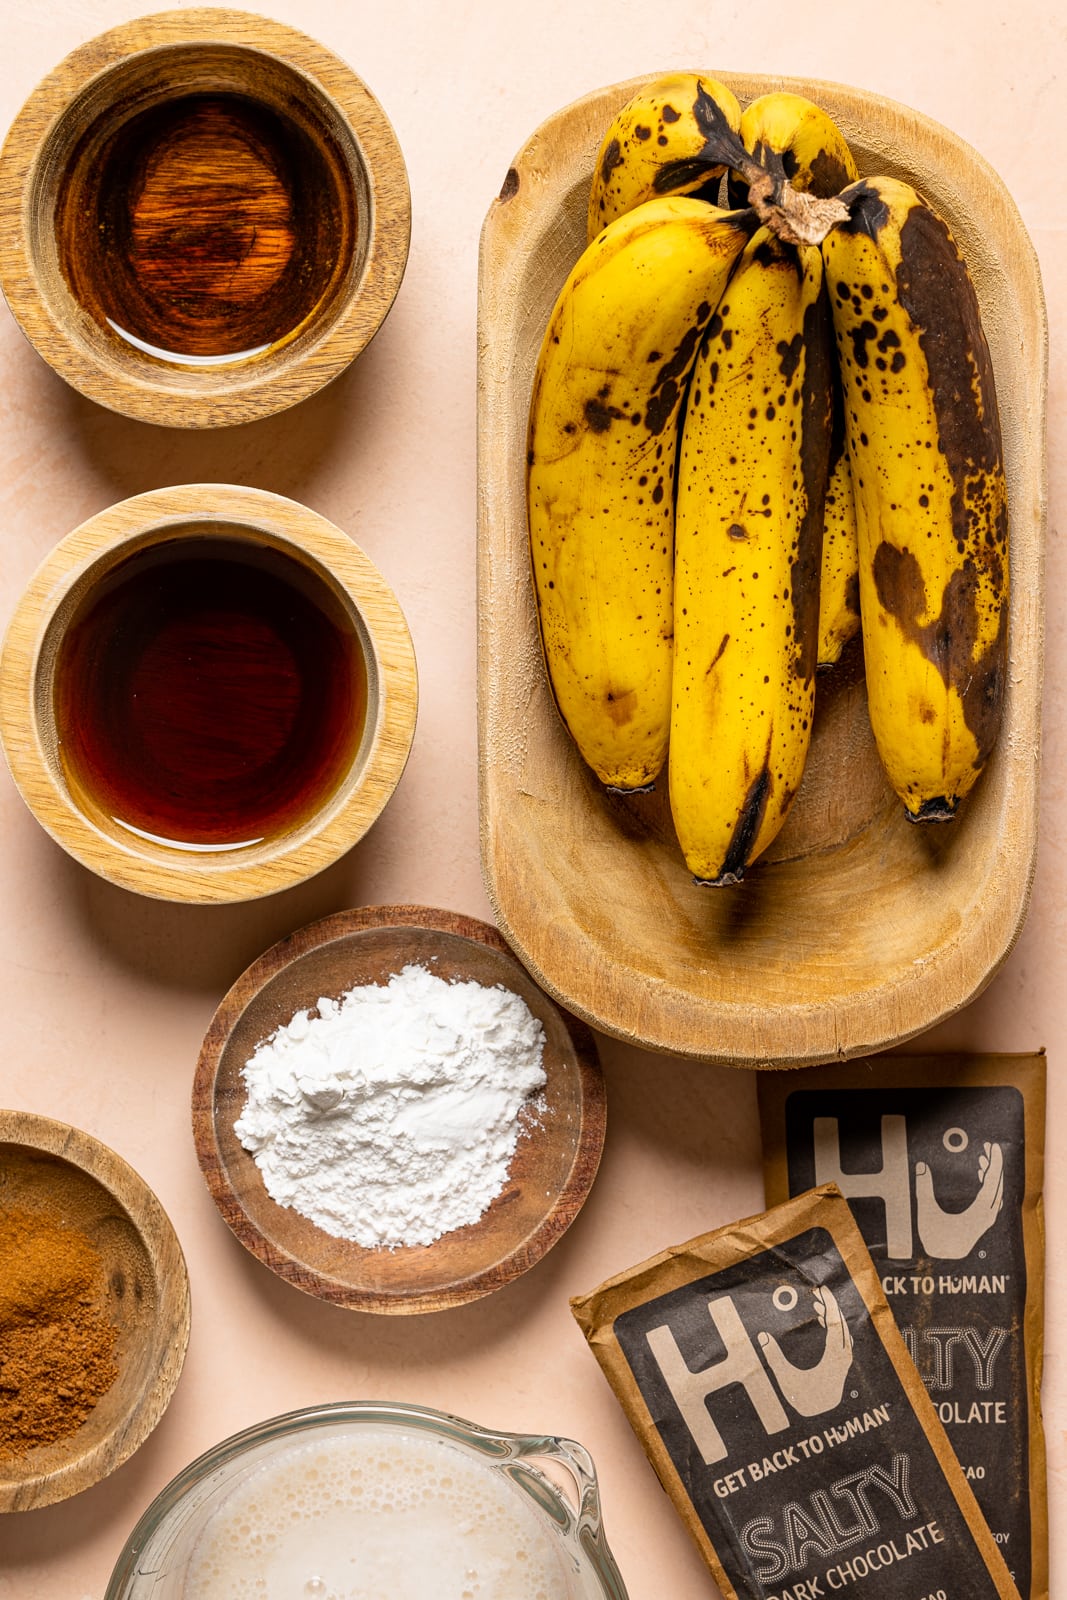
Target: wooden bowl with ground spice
(94,1311)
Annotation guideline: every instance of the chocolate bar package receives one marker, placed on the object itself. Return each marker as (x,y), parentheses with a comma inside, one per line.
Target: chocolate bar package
(941,1160)
(761,1369)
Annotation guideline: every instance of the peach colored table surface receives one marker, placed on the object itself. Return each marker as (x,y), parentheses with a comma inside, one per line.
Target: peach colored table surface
(106,996)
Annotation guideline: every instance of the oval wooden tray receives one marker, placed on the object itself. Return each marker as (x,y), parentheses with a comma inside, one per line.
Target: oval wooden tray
(555,1161)
(50,1168)
(858,930)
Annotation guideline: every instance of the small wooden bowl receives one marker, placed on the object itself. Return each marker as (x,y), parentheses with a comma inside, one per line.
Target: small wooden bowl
(27,688)
(54,148)
(53,1170)
(555,1160)
(856,930)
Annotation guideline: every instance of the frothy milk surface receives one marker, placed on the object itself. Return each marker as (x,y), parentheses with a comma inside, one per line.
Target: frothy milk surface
(375,1515)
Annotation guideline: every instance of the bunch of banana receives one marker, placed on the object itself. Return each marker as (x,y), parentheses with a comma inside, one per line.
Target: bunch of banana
(686,590)
(666,140)
(752,477)
(603,438)
(931,500)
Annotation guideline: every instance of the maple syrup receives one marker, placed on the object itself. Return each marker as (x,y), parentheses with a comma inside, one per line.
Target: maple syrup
(205,229)
(209,694)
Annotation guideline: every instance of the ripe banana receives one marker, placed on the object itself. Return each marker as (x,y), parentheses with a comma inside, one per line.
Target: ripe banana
(660,143)
(603,435)
(839,589)
(931,499)
(793,138)
(751,482)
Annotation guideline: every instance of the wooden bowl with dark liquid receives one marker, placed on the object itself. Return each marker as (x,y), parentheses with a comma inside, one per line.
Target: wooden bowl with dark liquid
(207,693)
(204,217)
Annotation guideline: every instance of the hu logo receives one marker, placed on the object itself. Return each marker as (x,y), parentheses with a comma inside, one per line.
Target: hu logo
(945,1235)
(808,1390)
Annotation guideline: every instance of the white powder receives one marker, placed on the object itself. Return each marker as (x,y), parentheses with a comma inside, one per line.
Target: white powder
(391,1116)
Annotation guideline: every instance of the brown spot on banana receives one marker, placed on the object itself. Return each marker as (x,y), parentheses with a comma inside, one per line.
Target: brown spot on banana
(666,386)
(621,706)
(816,414)
(829,174)
(610,159)
(718,654)
(744,835)
(839,596)
(599,416)
(720,147)
(790,352)
(946,641)
(937,292)
(867,211)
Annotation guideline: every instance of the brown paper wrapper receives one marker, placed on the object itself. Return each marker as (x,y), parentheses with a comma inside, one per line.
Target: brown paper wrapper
(942,1159)
(762,1370)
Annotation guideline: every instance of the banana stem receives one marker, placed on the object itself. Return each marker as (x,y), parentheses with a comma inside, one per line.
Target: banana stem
(795,216)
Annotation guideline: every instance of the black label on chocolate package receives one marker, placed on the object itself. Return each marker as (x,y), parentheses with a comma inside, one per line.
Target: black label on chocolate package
(794,1436)
(935,1178)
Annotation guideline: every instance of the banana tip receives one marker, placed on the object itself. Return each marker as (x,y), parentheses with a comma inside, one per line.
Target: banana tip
(724,880)
(940,809)
(636,788)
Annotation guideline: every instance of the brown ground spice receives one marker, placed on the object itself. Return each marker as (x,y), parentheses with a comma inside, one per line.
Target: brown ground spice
(56,1346)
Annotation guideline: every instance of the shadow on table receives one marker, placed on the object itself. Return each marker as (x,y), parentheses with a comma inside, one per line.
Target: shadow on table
(204,948)
(402,1346)
(285,453)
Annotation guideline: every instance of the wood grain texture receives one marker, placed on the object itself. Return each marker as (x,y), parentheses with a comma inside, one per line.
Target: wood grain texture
(172,56)
(50,1168)
(27,671)
(554,1164)
(858,930)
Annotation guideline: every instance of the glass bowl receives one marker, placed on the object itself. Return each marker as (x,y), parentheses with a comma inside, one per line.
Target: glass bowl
(516,1480)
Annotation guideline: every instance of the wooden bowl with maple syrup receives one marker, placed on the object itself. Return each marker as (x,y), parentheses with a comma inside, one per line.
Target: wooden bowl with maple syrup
(204,217)
(207,693)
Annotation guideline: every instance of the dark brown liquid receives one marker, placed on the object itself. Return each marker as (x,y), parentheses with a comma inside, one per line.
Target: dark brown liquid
(209,694)
(206,228)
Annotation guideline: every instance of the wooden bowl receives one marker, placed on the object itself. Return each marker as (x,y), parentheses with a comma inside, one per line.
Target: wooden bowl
(551,1172)
(338,217)
(857,930)
(52,1170)
(322,559)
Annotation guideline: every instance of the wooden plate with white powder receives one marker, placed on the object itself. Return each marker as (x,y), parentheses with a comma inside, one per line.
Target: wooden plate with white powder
(556,1155)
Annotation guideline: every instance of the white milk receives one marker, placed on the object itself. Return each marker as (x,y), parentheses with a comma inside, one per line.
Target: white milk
(371,1515)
